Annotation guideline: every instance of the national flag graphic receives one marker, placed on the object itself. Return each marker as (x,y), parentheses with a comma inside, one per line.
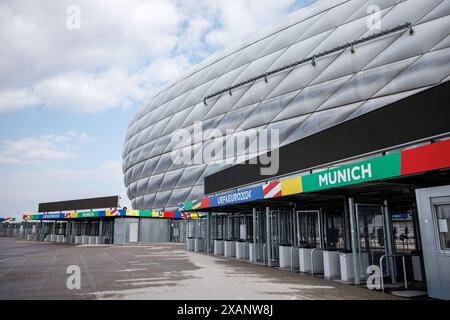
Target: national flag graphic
(196,204)
(272,190)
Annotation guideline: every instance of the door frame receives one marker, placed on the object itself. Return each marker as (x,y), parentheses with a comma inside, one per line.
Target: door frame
(319,222)
(359,273)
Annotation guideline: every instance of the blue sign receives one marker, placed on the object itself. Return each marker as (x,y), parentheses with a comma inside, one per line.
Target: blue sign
(240,196)
(53,216)
(400,216)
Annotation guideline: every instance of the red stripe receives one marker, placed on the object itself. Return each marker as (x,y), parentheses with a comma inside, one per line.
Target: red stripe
(430,157)
(269,187)
(206,202)
(169,214)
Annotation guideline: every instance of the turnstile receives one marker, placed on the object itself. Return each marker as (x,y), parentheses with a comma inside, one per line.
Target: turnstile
(310,241)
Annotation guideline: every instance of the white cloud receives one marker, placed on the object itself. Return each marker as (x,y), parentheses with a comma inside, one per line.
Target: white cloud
(123,51)
(42,148)
(16,99)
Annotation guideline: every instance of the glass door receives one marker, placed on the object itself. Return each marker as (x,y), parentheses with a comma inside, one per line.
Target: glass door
(371,231)
(373,238)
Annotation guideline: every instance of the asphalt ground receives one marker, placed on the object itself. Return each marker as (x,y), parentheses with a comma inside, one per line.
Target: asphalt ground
(38,270)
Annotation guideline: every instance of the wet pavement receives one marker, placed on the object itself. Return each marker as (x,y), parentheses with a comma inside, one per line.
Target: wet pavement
(37,270)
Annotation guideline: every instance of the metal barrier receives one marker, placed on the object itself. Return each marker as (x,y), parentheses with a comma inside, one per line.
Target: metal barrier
(292,250)
(264,252)
(403,266)
(312,258)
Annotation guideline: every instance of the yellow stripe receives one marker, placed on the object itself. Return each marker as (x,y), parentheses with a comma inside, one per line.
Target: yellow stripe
(132,213)
(196,206)
(291,186)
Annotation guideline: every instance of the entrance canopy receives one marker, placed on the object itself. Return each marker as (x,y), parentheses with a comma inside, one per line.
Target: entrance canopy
(393,173)
(116,213)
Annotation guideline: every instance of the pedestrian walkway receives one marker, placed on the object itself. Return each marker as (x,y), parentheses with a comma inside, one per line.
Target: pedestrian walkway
(36,270)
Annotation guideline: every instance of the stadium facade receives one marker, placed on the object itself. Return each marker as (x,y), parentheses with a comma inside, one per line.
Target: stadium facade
(358,93)
(299,101)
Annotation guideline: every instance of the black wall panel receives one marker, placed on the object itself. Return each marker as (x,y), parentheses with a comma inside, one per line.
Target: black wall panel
(419,116)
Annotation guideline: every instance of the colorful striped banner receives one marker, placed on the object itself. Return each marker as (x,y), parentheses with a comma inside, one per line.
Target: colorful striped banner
(359,172)
(243,195)
(430,157)
(420,159)
(105,213)
(272,190)
(291,186)
(196,204)
(206,202)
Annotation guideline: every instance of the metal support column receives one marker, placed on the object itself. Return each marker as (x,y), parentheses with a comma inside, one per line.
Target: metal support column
(353,232)
(41,231)
(100,228)
(139,230)
(254,235)
(258,234)
(186,231)
(322,228)
(268,237)
(389,241)
(208,232)
(347,231)
(198,234)
(246,227)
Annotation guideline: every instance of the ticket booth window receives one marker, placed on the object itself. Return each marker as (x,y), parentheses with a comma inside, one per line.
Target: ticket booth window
(443,224)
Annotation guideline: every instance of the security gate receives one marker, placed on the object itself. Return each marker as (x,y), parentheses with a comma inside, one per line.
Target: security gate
(273,236)
(309,228)
(371,230)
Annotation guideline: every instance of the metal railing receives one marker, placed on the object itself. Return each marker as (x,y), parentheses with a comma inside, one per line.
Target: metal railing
(290,253)
(314,250)
(292,259)
(405,278)
(264,252)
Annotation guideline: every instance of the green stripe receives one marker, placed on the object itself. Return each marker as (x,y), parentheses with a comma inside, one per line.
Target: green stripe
(360,172)
(88,214)
(188,205)
(145,213)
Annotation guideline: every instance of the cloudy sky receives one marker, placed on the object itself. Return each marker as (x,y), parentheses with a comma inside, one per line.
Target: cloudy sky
(68,90)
